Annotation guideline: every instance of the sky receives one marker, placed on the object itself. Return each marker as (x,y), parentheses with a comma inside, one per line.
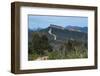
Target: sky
(40,21)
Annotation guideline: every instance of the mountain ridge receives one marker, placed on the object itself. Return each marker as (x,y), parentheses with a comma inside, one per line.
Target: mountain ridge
(68,27)
(77,28)
(61,33)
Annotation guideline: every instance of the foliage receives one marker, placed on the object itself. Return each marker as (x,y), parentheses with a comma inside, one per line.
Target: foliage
(70,50)
(32,56)
(40,46)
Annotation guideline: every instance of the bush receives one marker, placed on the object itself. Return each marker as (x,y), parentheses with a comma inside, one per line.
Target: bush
(33,56)
(54,55)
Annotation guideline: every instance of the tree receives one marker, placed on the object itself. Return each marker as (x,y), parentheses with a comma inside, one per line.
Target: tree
(40,44)
(30,49)
(45,43)
(36,40)
(69,45)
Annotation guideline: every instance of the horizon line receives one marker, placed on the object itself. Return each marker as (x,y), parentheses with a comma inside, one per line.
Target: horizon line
(56,25)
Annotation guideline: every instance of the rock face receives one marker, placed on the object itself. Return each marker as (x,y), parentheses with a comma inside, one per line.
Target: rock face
(56,26)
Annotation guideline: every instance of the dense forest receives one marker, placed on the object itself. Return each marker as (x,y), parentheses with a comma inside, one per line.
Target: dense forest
(68,44)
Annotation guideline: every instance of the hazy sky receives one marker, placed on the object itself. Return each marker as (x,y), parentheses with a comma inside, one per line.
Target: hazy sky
(35,21)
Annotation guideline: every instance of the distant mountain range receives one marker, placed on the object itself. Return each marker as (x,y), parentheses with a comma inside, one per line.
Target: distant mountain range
(77,28)
(63,33)
(70,28)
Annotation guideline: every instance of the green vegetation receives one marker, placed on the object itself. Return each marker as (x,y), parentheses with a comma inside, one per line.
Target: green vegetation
(67,55)
(41,46)
(69,50)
